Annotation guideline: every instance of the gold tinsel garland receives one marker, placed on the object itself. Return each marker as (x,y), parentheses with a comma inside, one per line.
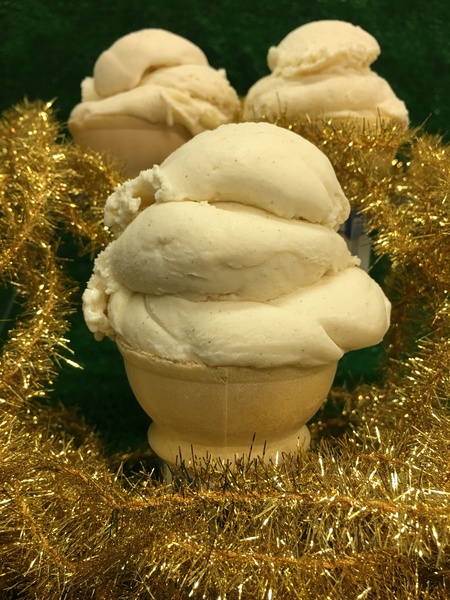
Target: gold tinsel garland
(363,516)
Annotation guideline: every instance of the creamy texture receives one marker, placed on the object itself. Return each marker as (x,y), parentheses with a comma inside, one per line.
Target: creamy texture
(227,254)
(159,77)
(322,69)
(268,168)
(199,251)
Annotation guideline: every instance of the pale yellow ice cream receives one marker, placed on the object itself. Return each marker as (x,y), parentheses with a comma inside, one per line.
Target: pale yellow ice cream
(151,79)
(227,254)
(322,70)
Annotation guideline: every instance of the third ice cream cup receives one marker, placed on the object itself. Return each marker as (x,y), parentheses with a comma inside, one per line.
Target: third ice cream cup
(322,70)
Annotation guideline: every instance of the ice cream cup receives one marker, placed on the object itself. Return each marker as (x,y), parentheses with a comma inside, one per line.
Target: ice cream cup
(322,70)
(225,412)
(137,143)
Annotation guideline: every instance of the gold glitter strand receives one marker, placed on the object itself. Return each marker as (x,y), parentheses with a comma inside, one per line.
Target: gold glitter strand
(27,260)
(366,515)
(40,191)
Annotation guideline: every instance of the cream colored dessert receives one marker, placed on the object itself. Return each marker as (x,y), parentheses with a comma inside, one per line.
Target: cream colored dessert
(151,91)
(228,278)
(322,70)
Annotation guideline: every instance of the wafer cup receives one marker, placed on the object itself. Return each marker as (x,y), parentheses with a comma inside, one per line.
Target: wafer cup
(225,412)
(137,143)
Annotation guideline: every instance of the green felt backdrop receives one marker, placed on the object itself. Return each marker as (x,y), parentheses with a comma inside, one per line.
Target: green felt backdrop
(48,46)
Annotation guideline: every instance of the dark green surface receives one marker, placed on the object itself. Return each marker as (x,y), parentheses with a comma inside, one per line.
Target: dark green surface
(48,47)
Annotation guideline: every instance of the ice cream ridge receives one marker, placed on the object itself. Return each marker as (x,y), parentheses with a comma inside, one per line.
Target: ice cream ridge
(322,70)
(230,294)
(151,91)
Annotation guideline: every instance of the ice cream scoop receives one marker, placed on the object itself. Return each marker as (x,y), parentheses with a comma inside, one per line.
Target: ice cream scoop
(322,70)
(151,91)
(230,293)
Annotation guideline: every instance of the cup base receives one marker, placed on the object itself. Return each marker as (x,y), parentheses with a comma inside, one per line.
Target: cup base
(225,412)
(175,452)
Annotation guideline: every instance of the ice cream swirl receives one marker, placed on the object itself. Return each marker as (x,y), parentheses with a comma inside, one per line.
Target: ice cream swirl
(227,254)
(160,77)
(323,70)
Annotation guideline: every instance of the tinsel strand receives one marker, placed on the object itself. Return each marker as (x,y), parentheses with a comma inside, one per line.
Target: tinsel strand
(363,516)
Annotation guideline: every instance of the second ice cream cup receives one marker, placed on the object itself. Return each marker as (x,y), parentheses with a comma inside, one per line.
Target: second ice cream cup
(225,412)
(151,91)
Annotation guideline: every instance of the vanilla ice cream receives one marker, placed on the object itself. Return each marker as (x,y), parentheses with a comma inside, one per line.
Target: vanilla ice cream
(151,91)
(322,70)
(227,254)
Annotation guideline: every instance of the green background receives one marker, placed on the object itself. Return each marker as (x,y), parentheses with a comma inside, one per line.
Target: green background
(48,47)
